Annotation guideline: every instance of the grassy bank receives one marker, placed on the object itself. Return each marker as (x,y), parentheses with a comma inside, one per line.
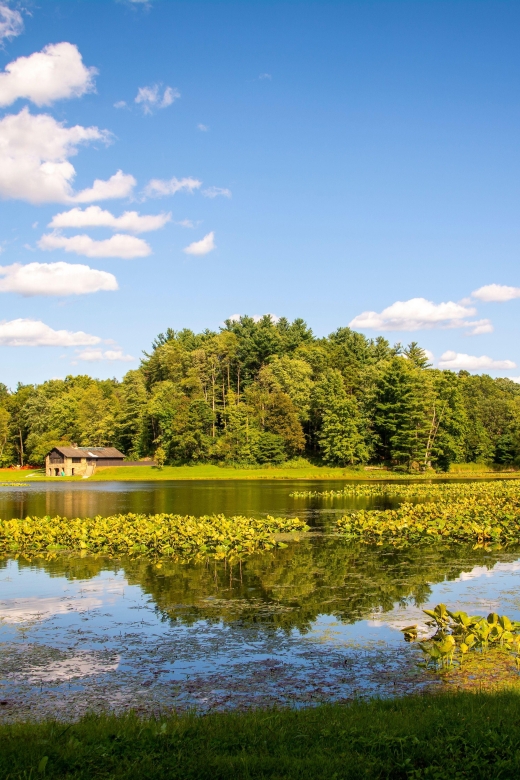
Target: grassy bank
(163,534)
(212,472)
(446,736)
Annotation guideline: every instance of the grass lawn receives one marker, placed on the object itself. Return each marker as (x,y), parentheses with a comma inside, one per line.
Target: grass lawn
(212,472)
(461,735)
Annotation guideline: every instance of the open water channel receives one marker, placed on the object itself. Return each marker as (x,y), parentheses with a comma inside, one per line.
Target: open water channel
(316,621)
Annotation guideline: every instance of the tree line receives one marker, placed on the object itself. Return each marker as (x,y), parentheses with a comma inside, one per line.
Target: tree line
(268,392)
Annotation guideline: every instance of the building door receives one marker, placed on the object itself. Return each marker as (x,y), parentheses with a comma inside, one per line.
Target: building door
(56,472)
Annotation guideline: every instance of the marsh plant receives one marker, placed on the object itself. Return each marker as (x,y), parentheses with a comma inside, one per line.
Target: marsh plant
(181,537)
(486,513)
(457,634)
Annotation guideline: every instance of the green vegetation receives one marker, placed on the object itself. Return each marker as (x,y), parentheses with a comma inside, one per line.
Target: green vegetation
(264,393)
(457,633)
(460,735)
(483,513)
(418,490)
(212,471)
(184,537)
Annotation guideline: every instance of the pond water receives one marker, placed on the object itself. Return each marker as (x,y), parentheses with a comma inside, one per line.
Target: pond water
(316,621)
(204,497)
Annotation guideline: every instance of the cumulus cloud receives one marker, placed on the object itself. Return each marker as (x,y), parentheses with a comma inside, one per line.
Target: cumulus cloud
(119,245)
(459,360)
(187,223)
(264,76)
(54,279)
(11,22)
(120,104)
(55,73)
(157,188)
(34,152)
(96,355)
(496,293)
(214,192)
(94,216)
(203,128)
(421,314)
(120,185)
(35,166)
(480,326)
(35,333)
(150,97)
(202,247)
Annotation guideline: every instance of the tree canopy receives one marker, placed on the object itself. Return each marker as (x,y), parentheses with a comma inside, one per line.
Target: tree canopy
(267,391)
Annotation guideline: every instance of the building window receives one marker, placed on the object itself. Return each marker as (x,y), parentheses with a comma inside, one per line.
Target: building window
(76,460)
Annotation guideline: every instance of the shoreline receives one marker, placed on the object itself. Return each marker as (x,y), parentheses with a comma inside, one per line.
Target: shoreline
(219,473)
(393,738)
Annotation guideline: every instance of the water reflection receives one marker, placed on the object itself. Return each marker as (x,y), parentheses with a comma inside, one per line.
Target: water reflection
(240,497)
(285,627)
(287,588)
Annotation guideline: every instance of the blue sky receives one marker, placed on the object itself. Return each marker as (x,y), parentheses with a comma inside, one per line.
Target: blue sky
(344,162)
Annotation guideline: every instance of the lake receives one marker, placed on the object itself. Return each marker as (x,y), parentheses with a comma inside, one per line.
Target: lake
(317,621)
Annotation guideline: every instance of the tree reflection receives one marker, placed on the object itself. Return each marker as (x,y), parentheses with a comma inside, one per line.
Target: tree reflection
(287,588)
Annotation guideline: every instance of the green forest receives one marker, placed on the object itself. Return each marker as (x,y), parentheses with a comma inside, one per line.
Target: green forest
(270,392)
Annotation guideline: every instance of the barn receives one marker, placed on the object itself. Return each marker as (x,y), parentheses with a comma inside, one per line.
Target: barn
(80,461)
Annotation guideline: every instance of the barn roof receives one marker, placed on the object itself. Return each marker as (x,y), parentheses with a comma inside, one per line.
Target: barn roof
(89,452)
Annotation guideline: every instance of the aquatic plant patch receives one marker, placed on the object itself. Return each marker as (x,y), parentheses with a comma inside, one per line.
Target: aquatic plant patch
(457,634)
(187,537)
(417,490)
(482,514)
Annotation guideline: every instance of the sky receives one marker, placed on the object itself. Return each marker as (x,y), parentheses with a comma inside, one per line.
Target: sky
(168,164)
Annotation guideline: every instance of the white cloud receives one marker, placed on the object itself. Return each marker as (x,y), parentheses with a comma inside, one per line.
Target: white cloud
(157,188)
(94,216)
(55,73)
(11,22)
(150,97)
(203,128)
(214,192)
(458,360)
(35,333)
(187,223)
(480,326)
(120,104)
(420,314)
(34,152)
(496,293)
(119,245)
(54,279)
(202,247)
(95,355)
(34,161)
(264,76)
(120,185)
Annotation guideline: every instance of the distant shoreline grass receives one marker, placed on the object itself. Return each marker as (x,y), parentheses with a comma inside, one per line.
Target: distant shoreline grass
(453,735)
(211,472)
